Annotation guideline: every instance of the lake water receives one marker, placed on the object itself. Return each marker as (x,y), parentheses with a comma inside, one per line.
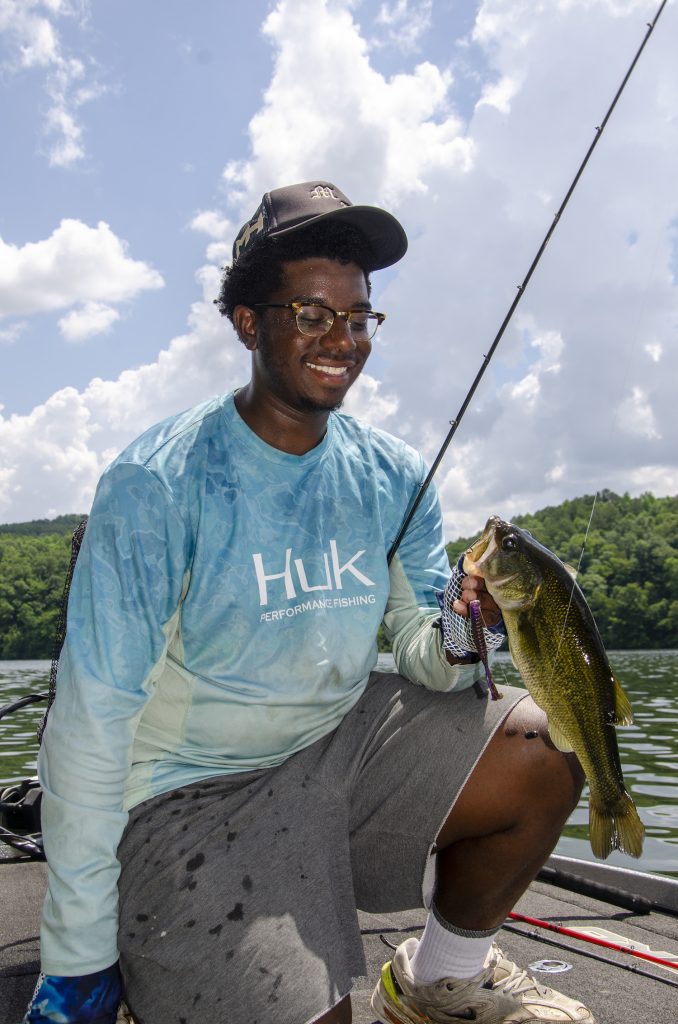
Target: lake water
(649,748)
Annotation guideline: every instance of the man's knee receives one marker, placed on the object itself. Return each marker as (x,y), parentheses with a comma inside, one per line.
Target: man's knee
(537,766)
(520,775)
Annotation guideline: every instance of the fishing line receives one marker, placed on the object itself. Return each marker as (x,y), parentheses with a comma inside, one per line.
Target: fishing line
(572,588)
(520,292)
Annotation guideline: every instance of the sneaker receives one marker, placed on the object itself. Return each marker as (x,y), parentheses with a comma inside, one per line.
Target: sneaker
(500,994)
(124,1016)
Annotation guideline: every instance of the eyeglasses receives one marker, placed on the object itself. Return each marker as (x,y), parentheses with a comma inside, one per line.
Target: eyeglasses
(315,321)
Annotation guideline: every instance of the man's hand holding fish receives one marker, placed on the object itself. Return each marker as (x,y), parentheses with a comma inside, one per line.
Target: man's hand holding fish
(473,589)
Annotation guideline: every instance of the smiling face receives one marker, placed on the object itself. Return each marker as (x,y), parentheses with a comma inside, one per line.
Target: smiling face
(292,370)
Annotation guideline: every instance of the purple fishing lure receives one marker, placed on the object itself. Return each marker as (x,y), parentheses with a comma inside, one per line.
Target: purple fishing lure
(481,647)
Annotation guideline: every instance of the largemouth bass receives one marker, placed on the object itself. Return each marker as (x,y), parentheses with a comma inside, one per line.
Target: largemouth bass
(556,647)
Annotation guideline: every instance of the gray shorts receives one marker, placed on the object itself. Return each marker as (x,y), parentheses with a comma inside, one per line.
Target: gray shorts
(238,894)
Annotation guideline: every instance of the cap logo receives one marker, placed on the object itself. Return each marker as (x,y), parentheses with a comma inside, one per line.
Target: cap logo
(253,228)
(324,192)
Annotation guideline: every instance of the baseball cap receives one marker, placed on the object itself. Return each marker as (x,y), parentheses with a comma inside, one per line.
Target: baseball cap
(284,210)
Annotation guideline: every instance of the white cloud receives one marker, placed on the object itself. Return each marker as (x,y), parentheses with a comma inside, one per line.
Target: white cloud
(9,334)
(35,45)
(527,390)
(212,223)
(92,318)
(77,263)
(557,472)
(660,480)
(40,47)
(378,136)
(68,147)
(636,415)
(499,94)
(48,453)
(219,252)
(219,228)
(367,401)
(405,22)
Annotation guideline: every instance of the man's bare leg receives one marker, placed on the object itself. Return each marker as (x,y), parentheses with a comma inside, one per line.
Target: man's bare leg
(506,821)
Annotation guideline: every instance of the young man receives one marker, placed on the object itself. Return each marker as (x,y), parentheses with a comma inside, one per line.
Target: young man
(225,777)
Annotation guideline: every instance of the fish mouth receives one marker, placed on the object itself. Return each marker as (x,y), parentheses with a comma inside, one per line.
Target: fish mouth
(478,555)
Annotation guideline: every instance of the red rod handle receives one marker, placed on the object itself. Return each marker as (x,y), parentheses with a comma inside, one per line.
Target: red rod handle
(590,938)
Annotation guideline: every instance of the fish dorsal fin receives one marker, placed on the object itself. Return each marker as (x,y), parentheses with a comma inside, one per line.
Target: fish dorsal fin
(623,715)
(559,738)
(572,571)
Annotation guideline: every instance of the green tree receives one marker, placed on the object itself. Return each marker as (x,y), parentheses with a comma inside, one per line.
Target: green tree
(32,574)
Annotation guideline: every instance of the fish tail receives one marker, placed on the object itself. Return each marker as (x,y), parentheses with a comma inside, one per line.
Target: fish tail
(615,828)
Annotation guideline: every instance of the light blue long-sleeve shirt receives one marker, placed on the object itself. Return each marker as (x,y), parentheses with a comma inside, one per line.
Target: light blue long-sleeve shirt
(223,615)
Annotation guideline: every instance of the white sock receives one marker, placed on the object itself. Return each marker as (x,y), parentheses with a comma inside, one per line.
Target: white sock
(445,951)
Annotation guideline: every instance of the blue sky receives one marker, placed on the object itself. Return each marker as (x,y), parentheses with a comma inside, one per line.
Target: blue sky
(137,137)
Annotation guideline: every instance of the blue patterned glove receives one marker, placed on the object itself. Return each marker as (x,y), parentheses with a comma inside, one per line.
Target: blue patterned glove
(88,999)
(457,632)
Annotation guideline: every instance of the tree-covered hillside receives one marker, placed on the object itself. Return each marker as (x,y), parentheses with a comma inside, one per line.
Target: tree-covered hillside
(629,565)
(41,527)
(32,573)
(34,558)
(628,571)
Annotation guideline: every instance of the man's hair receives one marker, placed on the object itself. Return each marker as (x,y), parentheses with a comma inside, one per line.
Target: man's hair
(258,273)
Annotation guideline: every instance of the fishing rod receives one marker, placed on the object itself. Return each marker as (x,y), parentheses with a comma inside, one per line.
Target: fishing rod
(22,702)
(589,954)
(575,934)
(520,292)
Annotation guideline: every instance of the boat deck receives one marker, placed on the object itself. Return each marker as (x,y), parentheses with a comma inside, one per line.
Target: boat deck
(616,986)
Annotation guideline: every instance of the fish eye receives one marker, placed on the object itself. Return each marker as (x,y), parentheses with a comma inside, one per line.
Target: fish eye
(509,543)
